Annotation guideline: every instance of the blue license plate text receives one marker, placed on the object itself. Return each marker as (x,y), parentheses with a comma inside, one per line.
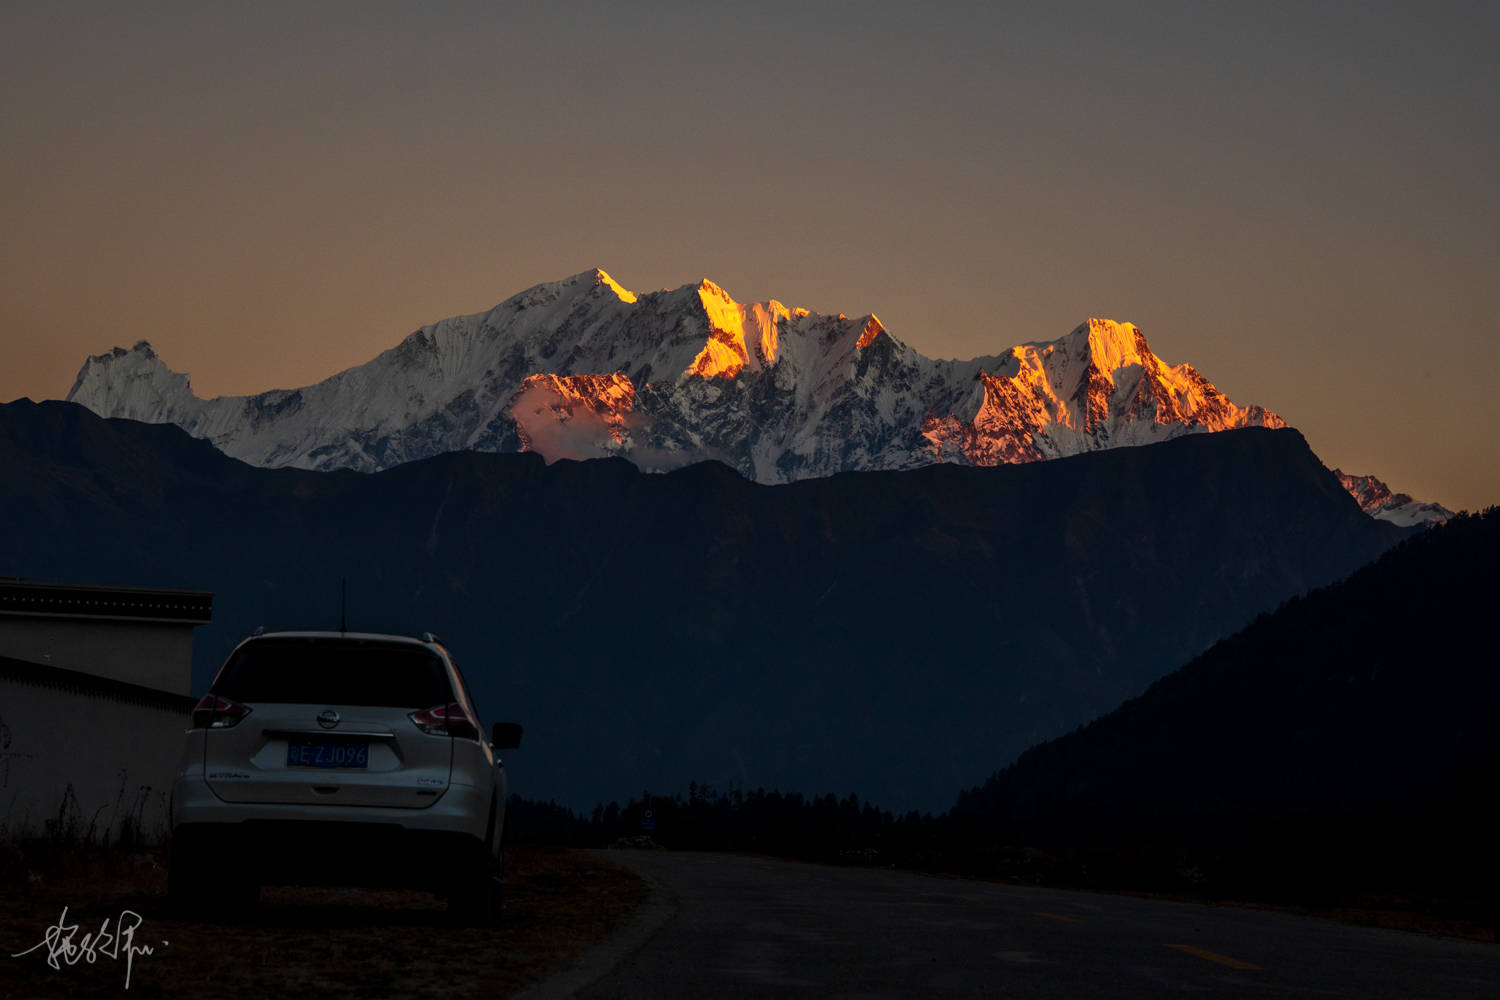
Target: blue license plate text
(327,754)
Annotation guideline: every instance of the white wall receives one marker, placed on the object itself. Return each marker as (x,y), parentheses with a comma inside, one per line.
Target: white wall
(102,760)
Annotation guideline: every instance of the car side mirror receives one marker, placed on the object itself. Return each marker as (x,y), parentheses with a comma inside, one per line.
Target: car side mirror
(506,735)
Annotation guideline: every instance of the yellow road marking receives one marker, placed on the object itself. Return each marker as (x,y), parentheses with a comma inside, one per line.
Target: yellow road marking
(1059,916)
(1233,963)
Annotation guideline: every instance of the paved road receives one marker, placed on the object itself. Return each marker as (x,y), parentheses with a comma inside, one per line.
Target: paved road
(728,926)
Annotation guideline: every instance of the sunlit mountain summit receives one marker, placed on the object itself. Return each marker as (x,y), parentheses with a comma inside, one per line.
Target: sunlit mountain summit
(583,367)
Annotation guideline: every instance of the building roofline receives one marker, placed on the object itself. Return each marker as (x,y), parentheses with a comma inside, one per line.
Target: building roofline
(32,599)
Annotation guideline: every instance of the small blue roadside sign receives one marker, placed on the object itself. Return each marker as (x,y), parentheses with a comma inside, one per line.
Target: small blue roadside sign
(648,819)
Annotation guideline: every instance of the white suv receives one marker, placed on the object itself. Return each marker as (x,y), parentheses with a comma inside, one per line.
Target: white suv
(333,758)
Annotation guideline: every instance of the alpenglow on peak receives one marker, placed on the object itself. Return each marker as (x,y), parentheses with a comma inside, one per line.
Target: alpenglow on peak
(583,368)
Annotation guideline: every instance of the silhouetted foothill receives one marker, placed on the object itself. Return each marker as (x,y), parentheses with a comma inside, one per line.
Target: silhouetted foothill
(1351,732)
(898,634)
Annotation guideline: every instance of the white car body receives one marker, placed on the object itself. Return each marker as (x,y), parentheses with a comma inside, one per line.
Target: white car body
(309,762)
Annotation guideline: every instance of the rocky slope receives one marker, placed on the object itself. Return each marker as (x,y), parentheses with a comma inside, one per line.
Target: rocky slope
(584,368)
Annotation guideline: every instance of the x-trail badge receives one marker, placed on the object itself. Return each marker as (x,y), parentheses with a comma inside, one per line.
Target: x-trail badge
(328,718)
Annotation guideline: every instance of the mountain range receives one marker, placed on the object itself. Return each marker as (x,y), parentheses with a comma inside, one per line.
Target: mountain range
(899,634)
(583,368)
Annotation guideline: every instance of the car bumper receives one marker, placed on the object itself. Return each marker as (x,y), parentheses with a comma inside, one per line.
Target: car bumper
(333,845)
(309,852)
(462,809)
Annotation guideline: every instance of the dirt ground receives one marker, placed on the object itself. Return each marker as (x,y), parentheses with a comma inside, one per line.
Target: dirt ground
(333,941)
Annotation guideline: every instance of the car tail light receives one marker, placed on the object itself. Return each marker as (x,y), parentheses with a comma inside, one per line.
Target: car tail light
(446,720)
(213,712)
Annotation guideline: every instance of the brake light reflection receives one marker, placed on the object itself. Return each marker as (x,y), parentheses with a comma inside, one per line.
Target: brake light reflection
(214,712)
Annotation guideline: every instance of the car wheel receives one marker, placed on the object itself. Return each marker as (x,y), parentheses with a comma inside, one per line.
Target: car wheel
(475,895)
(197,887)
(184,881)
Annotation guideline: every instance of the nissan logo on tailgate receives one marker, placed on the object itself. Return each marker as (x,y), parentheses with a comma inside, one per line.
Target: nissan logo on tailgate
(328,718)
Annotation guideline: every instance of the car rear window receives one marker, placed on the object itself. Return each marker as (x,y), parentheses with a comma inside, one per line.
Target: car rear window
(334,672)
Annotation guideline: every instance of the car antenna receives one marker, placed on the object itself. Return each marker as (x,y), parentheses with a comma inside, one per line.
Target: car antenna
(343,603)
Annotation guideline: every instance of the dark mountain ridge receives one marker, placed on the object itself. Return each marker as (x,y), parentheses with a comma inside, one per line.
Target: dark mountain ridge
(895,633)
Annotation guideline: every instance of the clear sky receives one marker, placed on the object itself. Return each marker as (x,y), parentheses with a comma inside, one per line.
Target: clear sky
(1300,199)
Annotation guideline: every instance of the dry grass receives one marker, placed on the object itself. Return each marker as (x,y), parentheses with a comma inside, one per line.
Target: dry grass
(333,941)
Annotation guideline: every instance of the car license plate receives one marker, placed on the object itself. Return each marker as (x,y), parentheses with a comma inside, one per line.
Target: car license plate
(300,754)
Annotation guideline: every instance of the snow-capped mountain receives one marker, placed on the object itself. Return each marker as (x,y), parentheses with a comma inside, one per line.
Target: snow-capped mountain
(1376,499)
(582,368)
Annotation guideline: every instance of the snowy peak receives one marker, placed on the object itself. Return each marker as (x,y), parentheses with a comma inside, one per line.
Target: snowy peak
(752,338)
(1108,345)
(605,281)
(1107,369)
(1100,386)
(1370,493)
(1379,501)
(739,337)
(135,384)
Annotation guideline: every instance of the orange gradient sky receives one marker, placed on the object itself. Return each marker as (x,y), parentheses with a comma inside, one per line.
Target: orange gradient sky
(1300,200)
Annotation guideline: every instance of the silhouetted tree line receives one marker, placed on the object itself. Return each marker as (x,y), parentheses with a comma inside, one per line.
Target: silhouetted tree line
(813,828)
(1349,741)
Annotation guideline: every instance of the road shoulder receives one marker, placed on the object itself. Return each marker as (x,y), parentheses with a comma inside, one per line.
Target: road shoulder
(658,907)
